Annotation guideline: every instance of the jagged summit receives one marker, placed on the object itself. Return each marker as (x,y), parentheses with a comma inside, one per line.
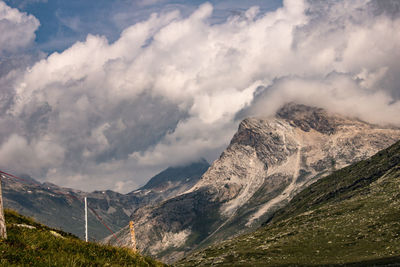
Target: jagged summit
(307,118)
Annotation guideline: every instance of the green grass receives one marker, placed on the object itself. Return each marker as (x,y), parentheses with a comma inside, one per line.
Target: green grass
(39,247)
(351,217)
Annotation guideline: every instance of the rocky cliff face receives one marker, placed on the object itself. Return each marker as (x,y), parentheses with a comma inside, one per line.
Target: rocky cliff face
(268,161)
(353,213)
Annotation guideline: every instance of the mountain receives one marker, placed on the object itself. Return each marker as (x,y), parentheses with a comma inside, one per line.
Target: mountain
(33,244)
(350,217)
(54,206)
(171,182)
(268,161)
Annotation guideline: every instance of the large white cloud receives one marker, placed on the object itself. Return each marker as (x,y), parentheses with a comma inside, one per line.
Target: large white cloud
(337,92)
(169,89)
(17,29)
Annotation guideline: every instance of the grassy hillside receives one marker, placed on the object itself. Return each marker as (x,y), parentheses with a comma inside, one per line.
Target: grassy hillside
(33,244)
(350,217)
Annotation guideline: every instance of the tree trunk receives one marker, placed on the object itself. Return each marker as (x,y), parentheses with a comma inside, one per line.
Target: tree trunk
(3,232)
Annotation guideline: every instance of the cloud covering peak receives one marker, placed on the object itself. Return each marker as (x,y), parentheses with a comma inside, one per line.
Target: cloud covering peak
(172,88)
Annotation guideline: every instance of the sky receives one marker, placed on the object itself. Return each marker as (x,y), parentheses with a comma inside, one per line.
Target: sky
(104,94)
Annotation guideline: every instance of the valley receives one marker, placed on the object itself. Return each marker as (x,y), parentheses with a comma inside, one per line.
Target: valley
(63,207)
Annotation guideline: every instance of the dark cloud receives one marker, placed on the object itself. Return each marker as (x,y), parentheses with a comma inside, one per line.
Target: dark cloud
(386,7)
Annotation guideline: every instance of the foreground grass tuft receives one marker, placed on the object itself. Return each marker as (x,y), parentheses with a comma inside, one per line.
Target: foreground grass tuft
(32,244)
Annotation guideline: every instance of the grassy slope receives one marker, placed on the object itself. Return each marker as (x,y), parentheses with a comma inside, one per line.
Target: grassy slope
(39,247)
(351,216)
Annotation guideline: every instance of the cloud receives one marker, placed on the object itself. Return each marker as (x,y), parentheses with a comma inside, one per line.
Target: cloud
(18,153)
(171,88)
(348,63)
(17,29)
(73,23)
(337,92)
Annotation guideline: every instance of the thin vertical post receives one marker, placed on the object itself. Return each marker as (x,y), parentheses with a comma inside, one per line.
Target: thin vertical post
(86,228)
(133,238)
(3,231)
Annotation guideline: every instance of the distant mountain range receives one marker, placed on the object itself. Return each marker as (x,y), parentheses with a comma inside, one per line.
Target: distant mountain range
(51,205)
(349,218)
(268,162)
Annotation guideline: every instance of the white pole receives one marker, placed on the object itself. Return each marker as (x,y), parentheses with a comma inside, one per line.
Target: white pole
(86,229)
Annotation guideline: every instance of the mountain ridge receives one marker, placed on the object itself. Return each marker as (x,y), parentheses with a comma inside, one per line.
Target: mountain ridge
(51,204)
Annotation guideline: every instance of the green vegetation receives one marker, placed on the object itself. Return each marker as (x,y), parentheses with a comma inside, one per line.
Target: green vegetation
(33,244)
(351,217)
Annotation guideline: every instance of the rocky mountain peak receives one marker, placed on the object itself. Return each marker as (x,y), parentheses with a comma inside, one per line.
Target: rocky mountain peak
(268,161)
(307,118)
